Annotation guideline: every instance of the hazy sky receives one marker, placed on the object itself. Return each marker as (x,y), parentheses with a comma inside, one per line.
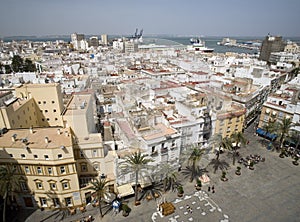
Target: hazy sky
(182,17)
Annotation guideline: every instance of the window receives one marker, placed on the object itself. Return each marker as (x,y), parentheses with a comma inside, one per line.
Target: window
(153,149)
(53,186)
(54,110)
(11,155)
(68,201)
(83,168)
(35,156)
(27,170)
(46,157)
(50,171)
(53,102)
(62,170)
(46,111)
(39,185)
(15,168)
(24,186)
(23,156)
(43,201)
(65,185)
(173,143)
(48,119)
(39,102)
(59,156)
(44,102)
(94,153)
(96,167)
(39,170)
(81,154)
(55,119)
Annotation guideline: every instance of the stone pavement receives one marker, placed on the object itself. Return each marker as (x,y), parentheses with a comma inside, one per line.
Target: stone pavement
(270,192)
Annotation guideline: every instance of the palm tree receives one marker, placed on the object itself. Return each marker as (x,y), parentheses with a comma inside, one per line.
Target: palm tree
(284,129)
(8,183)
(239,139)
(168,175)
(99,186)
(136,162)
(193,155)
(269,127)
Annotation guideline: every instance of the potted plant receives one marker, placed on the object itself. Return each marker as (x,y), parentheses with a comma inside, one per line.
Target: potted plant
(125,209)
(223,177)
(149,197)
(295,161)
(251,165)
(198,184)
(180,191)
(238,171)
(282,153)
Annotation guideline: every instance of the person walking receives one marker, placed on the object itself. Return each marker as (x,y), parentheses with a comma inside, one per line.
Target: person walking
(208,189)
(213,189)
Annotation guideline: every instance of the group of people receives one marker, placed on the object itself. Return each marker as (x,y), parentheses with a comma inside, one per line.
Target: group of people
(189,208)
(212,189)
(89,219)
(251,160)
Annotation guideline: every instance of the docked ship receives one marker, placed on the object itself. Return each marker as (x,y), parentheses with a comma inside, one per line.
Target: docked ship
(198,45)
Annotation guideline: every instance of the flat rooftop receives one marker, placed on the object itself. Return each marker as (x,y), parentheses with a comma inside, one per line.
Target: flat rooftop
(37,138)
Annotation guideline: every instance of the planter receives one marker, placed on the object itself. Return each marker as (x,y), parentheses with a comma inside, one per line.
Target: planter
(295,163)
(198,188)
(281,155)
(224,179)
(156,195)
(125,210)
(238,172)
(180,191)
(149,197)
(180,194)
(136,203)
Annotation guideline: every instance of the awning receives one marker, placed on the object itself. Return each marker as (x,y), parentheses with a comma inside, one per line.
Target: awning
(260,131)
(268,135)
(125,190)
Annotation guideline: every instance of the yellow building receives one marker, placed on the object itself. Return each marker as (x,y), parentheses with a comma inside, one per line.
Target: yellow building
(56,150)
(93,159)
(44,159)
(230,120)
(34,105)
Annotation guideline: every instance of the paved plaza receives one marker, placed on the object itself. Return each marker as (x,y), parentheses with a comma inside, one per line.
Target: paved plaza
(270,192)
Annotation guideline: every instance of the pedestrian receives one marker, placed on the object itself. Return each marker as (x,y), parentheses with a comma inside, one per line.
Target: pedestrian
(208,189)
(213,189)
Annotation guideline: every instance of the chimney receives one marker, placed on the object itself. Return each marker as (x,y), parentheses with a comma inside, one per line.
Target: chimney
(66,133)
(31,130)
(58,131)
(46,139)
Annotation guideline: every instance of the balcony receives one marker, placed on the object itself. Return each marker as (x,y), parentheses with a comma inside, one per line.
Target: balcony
(164,151)
(154,153)
(173,147)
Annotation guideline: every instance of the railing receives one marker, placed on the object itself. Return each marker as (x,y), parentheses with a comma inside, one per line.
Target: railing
(155,153)
(164,151)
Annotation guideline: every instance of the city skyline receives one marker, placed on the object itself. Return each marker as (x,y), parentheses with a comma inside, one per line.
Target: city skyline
(208,18)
